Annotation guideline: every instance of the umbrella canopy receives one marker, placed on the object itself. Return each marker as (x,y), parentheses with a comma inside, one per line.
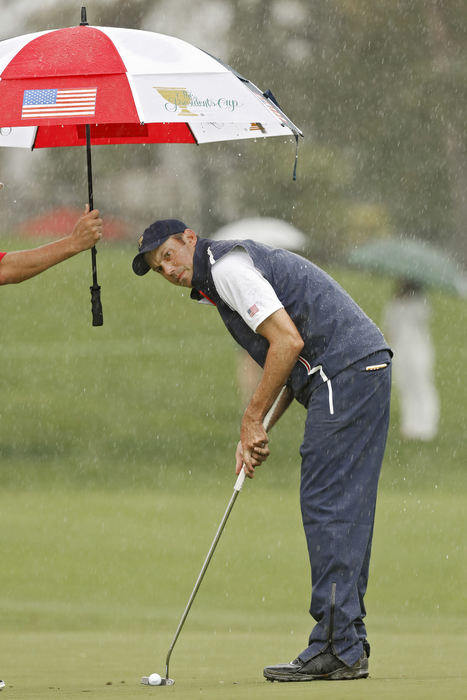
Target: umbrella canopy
(106,85)
(274,232)
(412,260)
(132,86)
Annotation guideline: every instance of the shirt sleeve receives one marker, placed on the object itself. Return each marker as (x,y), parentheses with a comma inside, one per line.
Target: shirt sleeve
(2,255)
(243,288)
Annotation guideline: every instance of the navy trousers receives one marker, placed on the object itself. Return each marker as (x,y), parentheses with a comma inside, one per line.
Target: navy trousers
(341,455)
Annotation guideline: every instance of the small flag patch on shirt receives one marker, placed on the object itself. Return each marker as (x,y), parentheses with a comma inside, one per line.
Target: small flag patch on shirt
(56,102)
(253,310)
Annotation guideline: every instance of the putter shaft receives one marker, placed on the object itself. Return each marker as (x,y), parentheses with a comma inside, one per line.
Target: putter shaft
(203,569)
(237,488)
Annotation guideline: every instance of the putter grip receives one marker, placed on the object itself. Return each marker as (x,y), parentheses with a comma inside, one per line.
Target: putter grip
(96,306)
(267,419)
(240,480)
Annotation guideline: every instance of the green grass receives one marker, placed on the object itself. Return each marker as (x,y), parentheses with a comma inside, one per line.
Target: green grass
(93,585)
(116,463)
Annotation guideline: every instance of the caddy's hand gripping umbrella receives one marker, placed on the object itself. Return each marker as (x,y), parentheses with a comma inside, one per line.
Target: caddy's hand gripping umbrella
(106,85)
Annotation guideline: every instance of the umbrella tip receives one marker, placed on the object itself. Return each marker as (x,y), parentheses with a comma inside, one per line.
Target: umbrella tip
(84,19)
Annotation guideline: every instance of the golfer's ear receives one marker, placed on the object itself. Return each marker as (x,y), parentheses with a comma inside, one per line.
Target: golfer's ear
(190,236)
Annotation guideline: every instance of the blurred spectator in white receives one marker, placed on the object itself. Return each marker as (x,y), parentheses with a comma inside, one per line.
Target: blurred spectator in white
(406,324)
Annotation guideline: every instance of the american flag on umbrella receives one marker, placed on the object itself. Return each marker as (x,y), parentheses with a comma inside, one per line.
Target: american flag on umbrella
(57,102)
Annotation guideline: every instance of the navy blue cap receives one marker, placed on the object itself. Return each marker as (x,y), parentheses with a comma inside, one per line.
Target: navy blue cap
(152,238)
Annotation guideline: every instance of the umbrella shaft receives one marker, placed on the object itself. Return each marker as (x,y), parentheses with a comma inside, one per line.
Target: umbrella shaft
(88,156)
(91,199)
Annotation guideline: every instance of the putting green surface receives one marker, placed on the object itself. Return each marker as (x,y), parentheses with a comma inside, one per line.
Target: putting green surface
(93,665)
(94,583)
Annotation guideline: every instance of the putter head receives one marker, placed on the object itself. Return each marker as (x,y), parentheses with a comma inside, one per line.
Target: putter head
(164,681)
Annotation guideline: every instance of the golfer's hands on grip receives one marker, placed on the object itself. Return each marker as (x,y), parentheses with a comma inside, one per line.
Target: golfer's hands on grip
(252,449)
(88,230)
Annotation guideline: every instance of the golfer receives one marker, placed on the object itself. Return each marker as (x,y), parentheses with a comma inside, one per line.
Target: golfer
(21,265)
(308,335)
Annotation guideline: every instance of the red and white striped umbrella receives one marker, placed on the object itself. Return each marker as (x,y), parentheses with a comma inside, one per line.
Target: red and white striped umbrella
(88,85)
(131,86)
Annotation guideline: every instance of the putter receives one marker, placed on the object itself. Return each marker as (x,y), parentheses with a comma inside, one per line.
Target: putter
(146,680)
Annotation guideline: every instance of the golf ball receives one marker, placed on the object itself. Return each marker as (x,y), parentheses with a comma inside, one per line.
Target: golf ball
(154,679)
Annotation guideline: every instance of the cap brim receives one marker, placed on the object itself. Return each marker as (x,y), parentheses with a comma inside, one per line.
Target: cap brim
(140,266)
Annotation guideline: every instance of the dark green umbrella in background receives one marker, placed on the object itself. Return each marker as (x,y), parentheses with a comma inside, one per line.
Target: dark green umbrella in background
(413,260)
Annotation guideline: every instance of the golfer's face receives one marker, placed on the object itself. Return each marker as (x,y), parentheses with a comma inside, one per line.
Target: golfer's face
(174,259)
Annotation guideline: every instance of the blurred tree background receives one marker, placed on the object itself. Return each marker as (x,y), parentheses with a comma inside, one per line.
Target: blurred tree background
(379,90)
(116,442)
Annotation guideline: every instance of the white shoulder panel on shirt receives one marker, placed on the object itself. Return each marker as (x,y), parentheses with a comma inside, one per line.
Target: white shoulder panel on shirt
(242,287)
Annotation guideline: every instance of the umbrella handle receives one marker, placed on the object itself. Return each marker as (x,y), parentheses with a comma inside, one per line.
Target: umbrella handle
(96,305)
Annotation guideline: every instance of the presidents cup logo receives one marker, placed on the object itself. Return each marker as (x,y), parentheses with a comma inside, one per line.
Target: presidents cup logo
(177,98)
(181,101)
(140,241)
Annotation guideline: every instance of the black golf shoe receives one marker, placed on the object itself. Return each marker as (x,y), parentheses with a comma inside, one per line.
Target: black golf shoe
(2,685)
(324,667)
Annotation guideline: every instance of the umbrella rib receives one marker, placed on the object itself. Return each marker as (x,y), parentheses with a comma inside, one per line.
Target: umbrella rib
(192,133)
(137,101)
(35,137)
